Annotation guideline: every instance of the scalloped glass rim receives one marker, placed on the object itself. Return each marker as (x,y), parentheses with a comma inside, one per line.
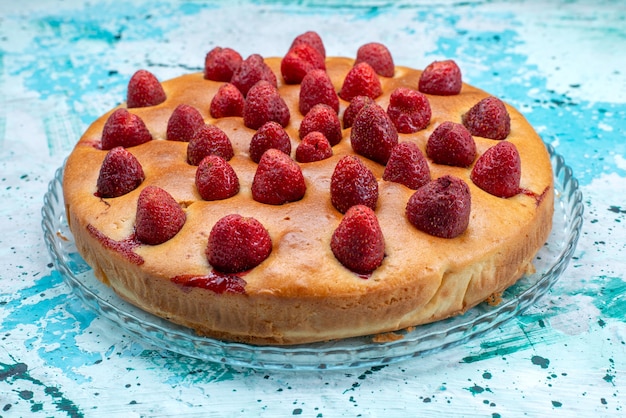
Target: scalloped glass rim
(550,263)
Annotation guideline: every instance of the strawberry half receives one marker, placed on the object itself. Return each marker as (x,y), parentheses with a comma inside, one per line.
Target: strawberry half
(216,179)
(228,101)
(373,134)
(183,123)
(278,179)
(378,56)
(221,63)
(144,90)
(313,147)
(270,135)
(451,144)
(409,110)
(498,171)
(441,207)
(358,241)
(408,166)
(322,118)
(209,140)
(237,244)
(488,118)
(124,129)
(361,80)
(442,78)
(120,173)
(352,183)
(264,104)
(316,88)
(159,216)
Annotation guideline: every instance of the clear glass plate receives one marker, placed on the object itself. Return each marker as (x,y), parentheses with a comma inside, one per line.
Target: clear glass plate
(550,263)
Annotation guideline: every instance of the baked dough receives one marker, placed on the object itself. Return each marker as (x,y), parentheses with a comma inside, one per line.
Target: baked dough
(301,293)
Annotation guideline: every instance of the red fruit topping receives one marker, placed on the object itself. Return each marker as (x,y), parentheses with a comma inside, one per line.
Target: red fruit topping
(378,56)
(358,241)
(498,170)
(322,118)
(310,38)
(442,78)
(488,118)
(220,64)
(159,216)
(356,105)
(252,70)
(238,244)
(183,123)
(264,104)
(407,165)
(270,135)
(144,90)
(451,144)
(216,179)
(120,173)
(228,101)
(361,80)
(352,183)
(409,110)
(373,134)
(299,61)
(215,281)
(278,179)
(316,88)
(314,147)
(209,140)
(441,208)
(124,129)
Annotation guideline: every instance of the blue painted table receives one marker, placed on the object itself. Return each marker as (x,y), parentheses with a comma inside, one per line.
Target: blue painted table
(561,63)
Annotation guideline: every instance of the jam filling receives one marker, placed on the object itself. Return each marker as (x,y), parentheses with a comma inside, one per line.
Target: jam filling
(125,247)
(215,281)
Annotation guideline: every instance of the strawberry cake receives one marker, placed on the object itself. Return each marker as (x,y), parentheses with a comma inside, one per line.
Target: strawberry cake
(307,198)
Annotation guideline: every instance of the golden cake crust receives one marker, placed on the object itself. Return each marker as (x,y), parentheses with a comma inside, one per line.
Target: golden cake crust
(301,293)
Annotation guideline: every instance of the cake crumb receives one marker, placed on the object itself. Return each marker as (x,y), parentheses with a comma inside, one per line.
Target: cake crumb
(387,337)
(494,299)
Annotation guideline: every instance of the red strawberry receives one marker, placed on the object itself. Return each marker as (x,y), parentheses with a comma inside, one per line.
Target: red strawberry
(409,110)
(407,165)
(228,101)
(278,179)
(310,38)
(252,70)
(316,87)
(159,216)
(361,80)
(264,104)
(144,90)
(373,134)
(183,123)
(488,118)
(322,118)
(124,129)
(352,183)
(221,63)
(451,144)
(298,61)
(441,208)
(216,179)
(356,105)
(120,173)
(358,241)
(442,78)
(270,135)
(209,140)
(378,56)
(237,244)
(313,147)
(498,170)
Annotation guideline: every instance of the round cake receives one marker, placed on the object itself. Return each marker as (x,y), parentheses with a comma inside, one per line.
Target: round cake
(307,198)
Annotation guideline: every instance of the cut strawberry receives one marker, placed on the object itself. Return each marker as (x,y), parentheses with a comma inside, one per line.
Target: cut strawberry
(252,70)
(124,129)
(352,183)
(322,118)
(373,134)
(409,110)
(159,216)
(451,144)
(209,140)
(358,241)
(278,179)
(356,105)
(270,135)
(498,171)
(442,78)
(313,147)
(183,123)
(407,165)
(378,56)
(237,244)
(221,63)
(216,179)
(489,119)
(316,88)
(120,173)
(228,101)
(361,80)
(264,104)
(441,208)
(144,90)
